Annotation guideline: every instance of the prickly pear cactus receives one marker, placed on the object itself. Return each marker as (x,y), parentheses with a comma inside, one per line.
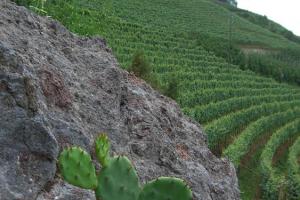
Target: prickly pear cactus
(102,149)
(77,168)
(166,188)
(118,181)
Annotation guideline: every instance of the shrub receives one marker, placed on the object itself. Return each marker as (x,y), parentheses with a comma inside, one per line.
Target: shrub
(143,69)
(140,66)
(172,89)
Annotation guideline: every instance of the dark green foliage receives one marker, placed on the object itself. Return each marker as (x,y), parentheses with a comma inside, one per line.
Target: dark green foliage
(172,89)
(271,65)
(143,69)
(293,192)
(24,2)
(283,65)
(289,55)
(294,171)
(140,66)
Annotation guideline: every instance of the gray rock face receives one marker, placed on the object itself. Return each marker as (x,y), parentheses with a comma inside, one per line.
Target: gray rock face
(57,89)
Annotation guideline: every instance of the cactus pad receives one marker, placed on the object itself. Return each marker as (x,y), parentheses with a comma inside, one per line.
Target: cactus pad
(118,181)
(166,188)
(102,149)
(77,168)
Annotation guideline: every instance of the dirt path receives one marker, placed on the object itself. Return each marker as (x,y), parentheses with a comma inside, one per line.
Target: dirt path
(282,150)
(250,49)
(251,162)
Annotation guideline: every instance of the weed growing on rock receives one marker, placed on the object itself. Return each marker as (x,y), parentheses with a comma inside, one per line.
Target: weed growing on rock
(35,5)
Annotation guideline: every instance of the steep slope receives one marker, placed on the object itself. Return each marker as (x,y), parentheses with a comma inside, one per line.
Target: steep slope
(280,63)
(198,22)
(57,89)
(266,23)
(196,16)
(240,111)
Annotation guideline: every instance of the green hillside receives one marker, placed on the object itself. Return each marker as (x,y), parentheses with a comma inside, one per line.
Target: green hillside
(200,16)
(242,113)
(264,22)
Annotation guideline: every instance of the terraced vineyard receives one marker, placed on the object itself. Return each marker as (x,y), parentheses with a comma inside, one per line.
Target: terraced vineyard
(250,119)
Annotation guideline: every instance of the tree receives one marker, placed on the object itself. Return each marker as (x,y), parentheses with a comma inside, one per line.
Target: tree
(231,2)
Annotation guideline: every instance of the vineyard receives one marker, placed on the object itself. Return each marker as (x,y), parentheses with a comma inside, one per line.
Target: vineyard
(250,119)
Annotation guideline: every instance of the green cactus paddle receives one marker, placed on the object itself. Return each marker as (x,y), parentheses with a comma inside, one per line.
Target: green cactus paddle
(117,180)
(77,168)
(166,188)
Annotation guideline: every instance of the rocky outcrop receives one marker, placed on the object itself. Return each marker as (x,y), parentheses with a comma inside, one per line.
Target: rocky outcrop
(58,89)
